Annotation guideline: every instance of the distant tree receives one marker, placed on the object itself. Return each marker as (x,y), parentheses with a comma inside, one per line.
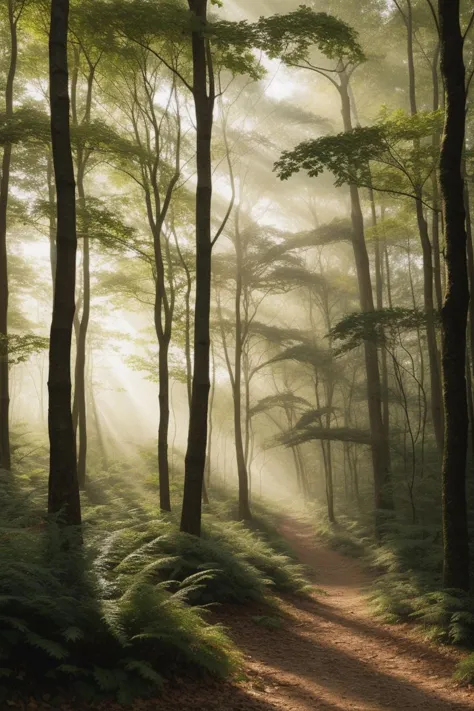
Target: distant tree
(14,10)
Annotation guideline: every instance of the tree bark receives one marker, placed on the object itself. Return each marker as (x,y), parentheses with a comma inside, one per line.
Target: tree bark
(379,295)
(211,422)
(456,302)
(80,368)
(204,99)
(83,155)
(435,377)
(435,186)
(63,490)
(5,455)
(244,504)
(380,445)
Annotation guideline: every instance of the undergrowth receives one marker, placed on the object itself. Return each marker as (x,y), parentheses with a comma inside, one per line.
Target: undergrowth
(407,578)
(125,611)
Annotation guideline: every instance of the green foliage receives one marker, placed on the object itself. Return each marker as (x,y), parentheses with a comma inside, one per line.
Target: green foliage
(21,348)
(29,123)
(292,36)
(232,564)
(380,327)
(447,614)
(267,621)
(122,613)
(395,155)
(465,670)
(66,622)
(345,155)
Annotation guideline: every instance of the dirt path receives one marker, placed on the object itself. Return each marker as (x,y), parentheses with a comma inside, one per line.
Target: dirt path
(329,654)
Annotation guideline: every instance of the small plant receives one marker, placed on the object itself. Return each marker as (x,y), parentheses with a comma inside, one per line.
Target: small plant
(270,623)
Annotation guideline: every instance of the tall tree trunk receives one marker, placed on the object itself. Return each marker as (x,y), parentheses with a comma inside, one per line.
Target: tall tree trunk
(52,218)
(204,98)
(244,503)
(80,406)
(5,456)
(81,339)
(63,490)
(380,446)
(210,428)
(428,272)
(435,187)
(456,302)
(435,377)
(163,326)
(379,295)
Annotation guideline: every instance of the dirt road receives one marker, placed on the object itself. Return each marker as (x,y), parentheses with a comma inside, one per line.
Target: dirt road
(329,654)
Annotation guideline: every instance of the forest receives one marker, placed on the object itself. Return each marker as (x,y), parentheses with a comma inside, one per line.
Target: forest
(236,355)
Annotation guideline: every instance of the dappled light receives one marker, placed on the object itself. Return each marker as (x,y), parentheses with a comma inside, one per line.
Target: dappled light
(236,355)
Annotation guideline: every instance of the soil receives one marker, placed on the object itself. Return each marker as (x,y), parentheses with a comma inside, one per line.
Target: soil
(329,654)
(324,652)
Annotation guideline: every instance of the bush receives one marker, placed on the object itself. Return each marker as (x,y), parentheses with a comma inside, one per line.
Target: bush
(124,611)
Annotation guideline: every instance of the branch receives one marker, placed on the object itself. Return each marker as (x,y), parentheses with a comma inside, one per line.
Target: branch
(469,25)
(435,16)
(167,64)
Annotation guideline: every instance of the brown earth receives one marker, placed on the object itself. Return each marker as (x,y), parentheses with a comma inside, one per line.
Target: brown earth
(330,654)
(327,654)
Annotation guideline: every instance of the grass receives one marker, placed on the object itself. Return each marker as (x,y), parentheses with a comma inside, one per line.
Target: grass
(127,610)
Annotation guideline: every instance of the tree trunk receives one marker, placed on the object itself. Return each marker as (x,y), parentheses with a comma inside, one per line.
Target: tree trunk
(210,427)
(379,295)
(470,267)
(435,378)
(63,491)
(380,446)
(456,302)
(240,452)
(80,368)
(80,378)
(435,186)
(52,218)
(5,456)
(197,435)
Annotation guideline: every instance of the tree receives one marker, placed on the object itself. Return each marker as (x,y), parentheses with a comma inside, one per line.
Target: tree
(14,11)
(63,490)
(291,162)
(204,94)
(456,301)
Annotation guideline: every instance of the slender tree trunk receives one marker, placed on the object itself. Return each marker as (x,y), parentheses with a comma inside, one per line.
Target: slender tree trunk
(210,428)
(80,369)
(80,405)
(456,302)
(379,294)
(435,187)
(470,266)
(244,504)
(98,429)
(52,218)
(435,378)
(380,446)
(164,400)
(5,456)
(187,311)
(428,272)
(204,98)
(63,491)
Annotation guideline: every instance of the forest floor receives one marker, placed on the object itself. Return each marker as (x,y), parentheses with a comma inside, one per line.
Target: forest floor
(329,654)
(323,652)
